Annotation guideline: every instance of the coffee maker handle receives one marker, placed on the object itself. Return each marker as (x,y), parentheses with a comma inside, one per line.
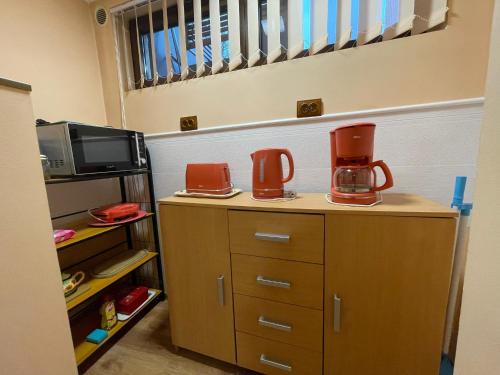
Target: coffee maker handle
(290,163)
(388,175)
(226,174)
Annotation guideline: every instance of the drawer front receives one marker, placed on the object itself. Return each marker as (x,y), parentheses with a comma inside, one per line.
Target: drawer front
(277,321)
(275,358)
(278,280)
(277,235)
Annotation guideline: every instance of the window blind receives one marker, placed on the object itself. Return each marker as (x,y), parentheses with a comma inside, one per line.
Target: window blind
(319,25)
(198,31)
(295,28)
(273,30)
(217,62)
(370,20)
(182,39)
(430,13)
(399,18)
(343,23)
(169,73)
(254,51)
(163,41)
(233,12)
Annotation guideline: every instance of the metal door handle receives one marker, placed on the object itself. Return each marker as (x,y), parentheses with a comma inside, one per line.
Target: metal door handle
(272,282)
(272,237)
(220,290)
(276,325)
(337,307)
(273,363)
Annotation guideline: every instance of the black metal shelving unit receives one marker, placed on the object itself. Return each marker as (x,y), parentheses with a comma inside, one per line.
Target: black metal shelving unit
(121,176)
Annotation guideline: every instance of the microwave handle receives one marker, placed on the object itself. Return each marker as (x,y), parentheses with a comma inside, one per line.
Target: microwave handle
(137,154)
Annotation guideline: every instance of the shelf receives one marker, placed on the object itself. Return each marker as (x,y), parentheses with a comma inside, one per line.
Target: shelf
(96,285)
(85,349)
(87,233)
(90,177)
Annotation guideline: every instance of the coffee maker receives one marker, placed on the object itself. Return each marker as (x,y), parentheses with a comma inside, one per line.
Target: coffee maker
(354,181)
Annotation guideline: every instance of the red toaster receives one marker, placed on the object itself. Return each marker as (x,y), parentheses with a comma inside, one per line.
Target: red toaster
(115,212)
(129,302)
(210,178)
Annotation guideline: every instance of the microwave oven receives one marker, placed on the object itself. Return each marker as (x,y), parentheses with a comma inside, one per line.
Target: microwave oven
(75,149)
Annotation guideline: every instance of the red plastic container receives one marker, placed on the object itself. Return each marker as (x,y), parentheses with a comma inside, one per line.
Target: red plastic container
(131,301)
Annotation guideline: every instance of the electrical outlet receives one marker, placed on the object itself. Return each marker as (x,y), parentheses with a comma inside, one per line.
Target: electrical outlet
(309,108)
(189,123)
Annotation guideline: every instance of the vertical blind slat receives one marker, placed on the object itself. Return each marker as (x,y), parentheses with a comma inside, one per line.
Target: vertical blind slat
(430,13)
(233,12)
(295,28)
(115,22)
(254,52)
(139,54)
(217,63)
(370,20)
(343,23)
(168,57)
(273,30)
(182,39)
(152,44)
(406,17)
(125,52)
(198,38)
(319,25)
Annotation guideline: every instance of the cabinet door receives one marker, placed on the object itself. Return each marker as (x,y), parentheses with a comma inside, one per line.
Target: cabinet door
(390,276)
(198,271)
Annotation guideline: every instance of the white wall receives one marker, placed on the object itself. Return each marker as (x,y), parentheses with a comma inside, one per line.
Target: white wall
(479,335)
(424,147)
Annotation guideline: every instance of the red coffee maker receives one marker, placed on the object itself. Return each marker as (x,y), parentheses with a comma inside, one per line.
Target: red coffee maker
(354,181)
(267,178)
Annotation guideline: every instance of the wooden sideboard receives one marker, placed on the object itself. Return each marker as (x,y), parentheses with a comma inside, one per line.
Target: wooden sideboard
(307,287)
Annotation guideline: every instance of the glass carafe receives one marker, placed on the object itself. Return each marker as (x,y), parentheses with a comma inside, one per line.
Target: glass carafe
(354,179)
(361,179)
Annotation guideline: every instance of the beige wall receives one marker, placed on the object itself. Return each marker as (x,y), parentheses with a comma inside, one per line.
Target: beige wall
(50,44)
(34,322)
(437,66)
(479,334)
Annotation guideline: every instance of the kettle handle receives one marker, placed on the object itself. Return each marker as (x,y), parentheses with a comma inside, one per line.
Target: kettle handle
(387,173)
(288,155)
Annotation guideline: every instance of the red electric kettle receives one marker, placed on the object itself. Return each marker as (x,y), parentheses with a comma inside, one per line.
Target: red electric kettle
(267,182)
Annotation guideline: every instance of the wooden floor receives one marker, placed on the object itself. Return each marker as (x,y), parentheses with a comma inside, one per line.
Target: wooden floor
(147,349)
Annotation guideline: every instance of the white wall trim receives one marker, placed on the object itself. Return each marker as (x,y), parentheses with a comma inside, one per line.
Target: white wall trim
(325,118)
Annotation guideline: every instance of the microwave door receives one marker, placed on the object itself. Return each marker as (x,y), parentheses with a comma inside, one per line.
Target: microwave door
(102,150)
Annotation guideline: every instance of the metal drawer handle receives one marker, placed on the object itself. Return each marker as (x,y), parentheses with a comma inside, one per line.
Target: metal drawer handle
(276,325)
(272,237)
(273,363)
(272,282)
(220,290)
(337,307)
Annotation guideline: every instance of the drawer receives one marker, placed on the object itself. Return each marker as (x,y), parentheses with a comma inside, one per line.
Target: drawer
(275,358)
(277,321)
(296,283)
(277,235)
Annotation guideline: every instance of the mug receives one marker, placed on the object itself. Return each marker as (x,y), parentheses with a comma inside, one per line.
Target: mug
(71,282)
